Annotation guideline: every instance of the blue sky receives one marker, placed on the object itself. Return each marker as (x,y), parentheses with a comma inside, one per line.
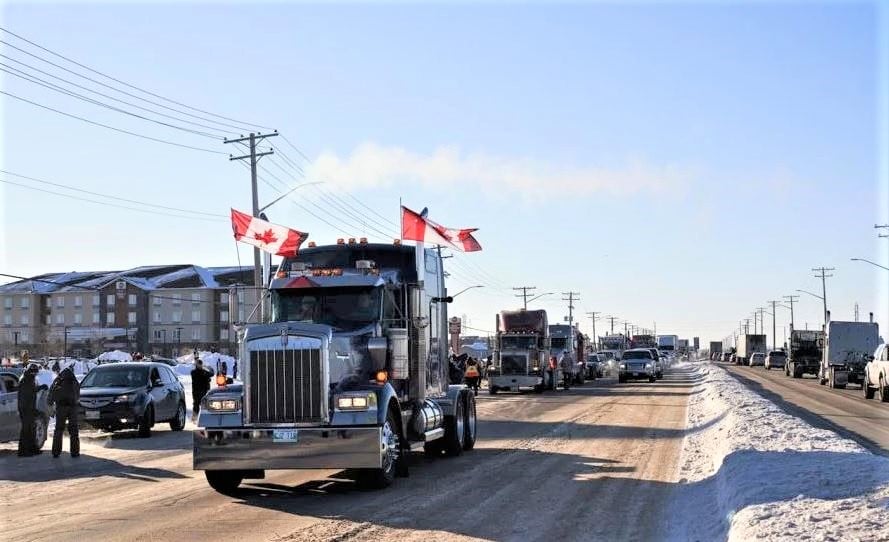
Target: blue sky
(677,163)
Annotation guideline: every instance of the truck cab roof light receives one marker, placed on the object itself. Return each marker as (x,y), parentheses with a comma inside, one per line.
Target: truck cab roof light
(312,244)
(396,242)
(351,240)
(363,240)
(340,241)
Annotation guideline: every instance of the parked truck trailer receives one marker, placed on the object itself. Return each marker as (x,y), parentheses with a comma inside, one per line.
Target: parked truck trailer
(847,348)
(351,372)
(747,346)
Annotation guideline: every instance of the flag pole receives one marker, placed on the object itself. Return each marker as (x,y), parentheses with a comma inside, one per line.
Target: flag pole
(401,217)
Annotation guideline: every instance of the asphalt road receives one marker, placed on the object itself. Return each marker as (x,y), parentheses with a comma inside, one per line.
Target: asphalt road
(596,462)
(845,411)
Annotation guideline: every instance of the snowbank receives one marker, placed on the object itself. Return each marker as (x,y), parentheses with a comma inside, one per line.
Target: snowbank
(213,360)
(750,471)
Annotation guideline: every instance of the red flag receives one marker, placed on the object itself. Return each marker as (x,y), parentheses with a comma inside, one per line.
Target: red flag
(416,227)
(272,238)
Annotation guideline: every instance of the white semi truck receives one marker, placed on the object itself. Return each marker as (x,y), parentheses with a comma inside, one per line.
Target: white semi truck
(847,348)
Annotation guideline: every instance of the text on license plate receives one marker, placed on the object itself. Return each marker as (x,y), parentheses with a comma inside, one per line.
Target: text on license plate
(92,414)
(284,435)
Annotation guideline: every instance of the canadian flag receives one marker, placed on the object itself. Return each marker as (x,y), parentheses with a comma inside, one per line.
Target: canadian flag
(416,227)
(269,237)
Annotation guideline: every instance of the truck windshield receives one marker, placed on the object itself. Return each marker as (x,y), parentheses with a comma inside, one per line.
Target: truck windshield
(559,343)
(518,341)
(343,308)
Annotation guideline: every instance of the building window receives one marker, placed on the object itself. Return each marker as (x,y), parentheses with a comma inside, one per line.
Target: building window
(7,303)
(223,334)
(157,317)
(96,300)
(60,302)
(24,320)
(195,317)
(96,317)
(177,334)
(132,300)
(109,299)
(7,319)
(131,317)
(177,299)
(240,296)
(48,319)
(196,298)
(196,334)
(159,334)
(223,316)
(78,301)
(60,318)
(241,314)
(78,318)
(109,318)
(25,303)
(23,336)
(223,297)
(177,317)
(48,303)
(156,300)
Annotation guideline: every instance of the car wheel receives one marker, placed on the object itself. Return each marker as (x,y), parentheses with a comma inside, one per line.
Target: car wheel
(621,379)
(41,425)
(866,387)
(493,390)
(224,481)
(883,390)
(652,378)
(146,422)
(178,422)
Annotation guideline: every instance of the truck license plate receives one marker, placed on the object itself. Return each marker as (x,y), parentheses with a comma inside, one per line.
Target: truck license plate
(92,414)
(635,374)
(284,435)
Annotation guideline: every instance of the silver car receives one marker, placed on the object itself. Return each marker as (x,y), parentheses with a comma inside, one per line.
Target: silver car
(10,423)
(757,358)
(637,363)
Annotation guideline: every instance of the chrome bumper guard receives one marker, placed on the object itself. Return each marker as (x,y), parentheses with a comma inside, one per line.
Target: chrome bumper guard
(315,448)
(515,381)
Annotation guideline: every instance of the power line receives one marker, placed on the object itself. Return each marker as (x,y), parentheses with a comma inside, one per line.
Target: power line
(121,130)
(68,187)
(125,83)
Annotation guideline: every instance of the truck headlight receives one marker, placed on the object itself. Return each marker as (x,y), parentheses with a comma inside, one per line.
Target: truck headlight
(364,401)
(224,405)
(623,365)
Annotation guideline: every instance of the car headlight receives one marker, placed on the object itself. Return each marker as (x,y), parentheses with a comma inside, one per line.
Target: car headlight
(623,365)
(364,401)
(648,366)
(224,405)
(124,398)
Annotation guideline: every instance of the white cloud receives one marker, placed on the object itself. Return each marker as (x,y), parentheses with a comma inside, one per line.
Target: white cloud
(372,165)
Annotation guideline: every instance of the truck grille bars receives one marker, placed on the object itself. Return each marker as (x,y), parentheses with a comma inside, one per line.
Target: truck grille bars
(286,386)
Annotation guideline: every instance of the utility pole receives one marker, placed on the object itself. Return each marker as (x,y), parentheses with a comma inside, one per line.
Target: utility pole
(791,299)
(594,316)
(747,326)
(571,297)
(774,335)
(822,274)
(612,318)
(762,320)
(524,295)
(252,140)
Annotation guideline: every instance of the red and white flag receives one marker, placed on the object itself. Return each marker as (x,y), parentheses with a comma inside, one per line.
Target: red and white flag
(416,227)
(272,238)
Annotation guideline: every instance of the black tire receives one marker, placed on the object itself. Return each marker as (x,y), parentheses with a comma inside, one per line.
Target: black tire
(538,388)
(867,389)
(41,427)
(470,425)
(385,475)
(652,379)
(224,481)
(768,367)
(455,429)
(493,390)
(883,390)
(145,423)
(178,421)
(621,379)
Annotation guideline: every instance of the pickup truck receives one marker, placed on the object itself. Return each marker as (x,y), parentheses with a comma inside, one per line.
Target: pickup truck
(876,375)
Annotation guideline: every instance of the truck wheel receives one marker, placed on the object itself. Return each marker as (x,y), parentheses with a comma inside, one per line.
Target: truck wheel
(178,422)
(538,388)
(455,429)
(492,390)
(224,481)
(146,422)
(786,371)
(390,455)
(471,424)
(652,378)
(883,390)
(868,390)
(797,373)
(621,379)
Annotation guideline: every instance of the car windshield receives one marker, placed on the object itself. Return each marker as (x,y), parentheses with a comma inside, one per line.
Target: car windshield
(638,354)
(116,377)
(343,308)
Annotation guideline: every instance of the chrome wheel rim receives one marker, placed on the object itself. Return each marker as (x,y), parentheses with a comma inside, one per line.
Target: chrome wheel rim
(461,423)
(470,418)
(180,416)
(388,446)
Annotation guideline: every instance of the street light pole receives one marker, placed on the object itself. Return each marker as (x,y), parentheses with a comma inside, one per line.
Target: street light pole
(791,299)
(822,274)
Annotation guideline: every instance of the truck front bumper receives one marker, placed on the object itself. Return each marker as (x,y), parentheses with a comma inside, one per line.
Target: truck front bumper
(314,448)
(514,382)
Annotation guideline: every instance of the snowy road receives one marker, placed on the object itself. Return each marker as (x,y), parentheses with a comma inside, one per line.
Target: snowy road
(596,462)
(844,411)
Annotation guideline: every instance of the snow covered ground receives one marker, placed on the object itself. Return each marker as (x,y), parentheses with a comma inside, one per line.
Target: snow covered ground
(750,471)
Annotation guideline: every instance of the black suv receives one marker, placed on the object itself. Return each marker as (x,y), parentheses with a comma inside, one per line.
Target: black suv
(132,395)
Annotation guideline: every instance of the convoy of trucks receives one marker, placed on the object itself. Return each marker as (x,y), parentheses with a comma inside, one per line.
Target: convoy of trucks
(748,345)
(351,372)
(521,353)
(566,350)
(715,347)
(848,346)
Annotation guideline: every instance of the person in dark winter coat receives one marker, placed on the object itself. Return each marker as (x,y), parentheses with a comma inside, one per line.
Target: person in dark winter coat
(28,413)
(200,385)
(65,394)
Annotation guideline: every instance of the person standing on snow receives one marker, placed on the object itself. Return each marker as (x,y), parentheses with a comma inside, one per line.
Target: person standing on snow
(200,385)
(27,404)
(65,394)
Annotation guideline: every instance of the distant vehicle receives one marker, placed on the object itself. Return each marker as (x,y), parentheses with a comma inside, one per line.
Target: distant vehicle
(715,349)
(132,395)
(726,356)
(847,348)
(757,358)
(637,363)
(594,366)
(733,358)
(10,423)
(566,345)
(165,361)
(658,363)
(805,352)
(520,353)
(876,375)
(609,360)
(776,360)
(747,346)
(668,342)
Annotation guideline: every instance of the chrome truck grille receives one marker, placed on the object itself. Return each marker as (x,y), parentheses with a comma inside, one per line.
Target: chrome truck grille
(286,386)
